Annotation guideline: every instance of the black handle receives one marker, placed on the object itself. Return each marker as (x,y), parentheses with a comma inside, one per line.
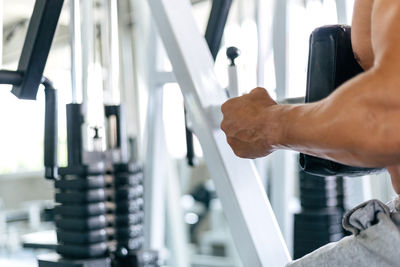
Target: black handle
(50,131)
(232,53)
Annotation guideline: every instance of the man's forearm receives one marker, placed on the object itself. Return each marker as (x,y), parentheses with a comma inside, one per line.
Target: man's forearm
(357,125)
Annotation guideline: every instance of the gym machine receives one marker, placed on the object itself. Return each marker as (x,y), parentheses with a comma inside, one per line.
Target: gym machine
(99,218)
(236,180)
(99,231)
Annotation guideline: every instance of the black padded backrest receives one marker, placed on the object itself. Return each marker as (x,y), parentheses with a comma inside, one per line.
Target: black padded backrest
(331,63)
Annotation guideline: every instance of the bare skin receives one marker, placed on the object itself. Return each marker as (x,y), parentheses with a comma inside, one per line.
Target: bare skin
(365,130)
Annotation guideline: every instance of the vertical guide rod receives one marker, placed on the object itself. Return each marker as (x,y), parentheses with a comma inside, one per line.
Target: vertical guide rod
(1,33)
(76,49)
(110,52)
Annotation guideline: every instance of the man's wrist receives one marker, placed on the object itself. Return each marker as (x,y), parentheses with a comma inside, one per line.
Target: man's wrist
(279,116)
(293,123)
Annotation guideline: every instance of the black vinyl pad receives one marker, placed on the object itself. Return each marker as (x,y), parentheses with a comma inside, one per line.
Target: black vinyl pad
(331,63)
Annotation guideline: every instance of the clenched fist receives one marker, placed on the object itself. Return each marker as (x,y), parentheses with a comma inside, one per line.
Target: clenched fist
(251,127)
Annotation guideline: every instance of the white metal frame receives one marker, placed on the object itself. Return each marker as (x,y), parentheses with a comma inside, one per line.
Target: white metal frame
(253,225)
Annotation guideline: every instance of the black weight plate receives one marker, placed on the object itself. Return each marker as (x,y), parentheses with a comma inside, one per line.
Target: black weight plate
(313,244)
(318,227)
(97,168)
(320,197)
(73,197)
(92,209)
(318,189)
(128,179)
(87,237)
(320,203)
(144,258)
(124,207)
(88,251)
(319,217)
(318,184)
(131,244)
(91,182)
(322,191)
(304,175)
(327,230)
(127,168)
(129,219)
(321,194)
(309,235)
(320,181)
(129,193)
(123,233)
(299,253)
(81,224)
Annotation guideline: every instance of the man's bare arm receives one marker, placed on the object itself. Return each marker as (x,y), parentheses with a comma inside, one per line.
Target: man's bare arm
(357,125)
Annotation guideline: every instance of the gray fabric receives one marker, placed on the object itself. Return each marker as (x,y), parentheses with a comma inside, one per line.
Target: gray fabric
(375,240)
(364,215)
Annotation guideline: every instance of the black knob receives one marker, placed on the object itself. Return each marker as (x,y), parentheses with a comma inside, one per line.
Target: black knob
(232,53)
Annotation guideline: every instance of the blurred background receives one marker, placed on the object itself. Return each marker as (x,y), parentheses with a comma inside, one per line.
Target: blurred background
(273,37)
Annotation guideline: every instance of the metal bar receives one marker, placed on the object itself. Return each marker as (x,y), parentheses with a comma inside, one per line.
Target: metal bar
(76,49)
(87,38)
(110,52)
(114,51)
(216,24)
(39,37)
(294,100)
(10,77)
(246,206)
(1,31)
(128,83)
(155,170)
(279,46)
(341,10)
(280,179)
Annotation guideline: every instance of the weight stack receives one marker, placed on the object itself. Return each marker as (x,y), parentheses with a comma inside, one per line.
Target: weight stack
(80,215)
(129,217)
(320,221)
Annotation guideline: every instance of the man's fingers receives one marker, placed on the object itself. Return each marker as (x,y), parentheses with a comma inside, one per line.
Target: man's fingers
(238,147)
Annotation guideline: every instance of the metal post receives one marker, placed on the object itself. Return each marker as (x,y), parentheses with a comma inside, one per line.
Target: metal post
(264,14)
(280,47)
(128,73)
(246,206)
(110,51)
(88,51)
(341,10)
(76,50)
(1,32)
(155,171)
(87,34)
